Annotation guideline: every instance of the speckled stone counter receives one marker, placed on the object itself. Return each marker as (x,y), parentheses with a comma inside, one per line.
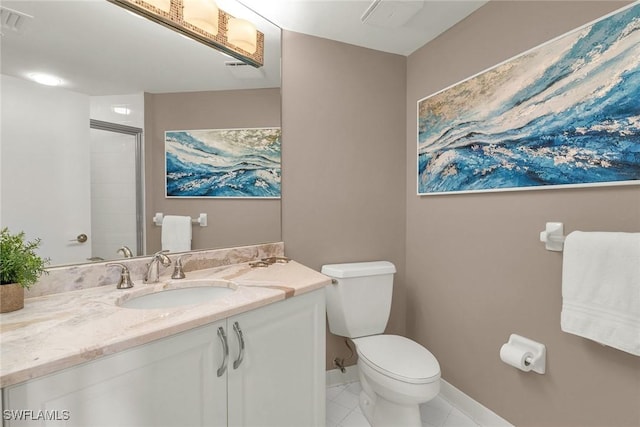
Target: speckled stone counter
(60,330)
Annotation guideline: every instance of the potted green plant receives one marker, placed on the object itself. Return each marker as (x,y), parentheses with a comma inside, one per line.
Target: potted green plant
(20,267)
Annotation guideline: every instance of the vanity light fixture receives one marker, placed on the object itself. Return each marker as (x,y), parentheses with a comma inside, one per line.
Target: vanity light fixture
(164,5)
(203,21)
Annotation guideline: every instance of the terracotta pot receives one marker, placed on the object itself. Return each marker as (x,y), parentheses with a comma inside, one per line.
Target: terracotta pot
(11,297)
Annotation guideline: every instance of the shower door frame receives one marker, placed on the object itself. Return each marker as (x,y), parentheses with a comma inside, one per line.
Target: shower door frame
(137,134)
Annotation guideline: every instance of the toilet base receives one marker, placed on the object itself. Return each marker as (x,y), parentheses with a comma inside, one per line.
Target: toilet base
(382,413)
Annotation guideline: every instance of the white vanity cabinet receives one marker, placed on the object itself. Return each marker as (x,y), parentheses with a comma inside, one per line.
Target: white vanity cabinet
(169,382)
(278,380)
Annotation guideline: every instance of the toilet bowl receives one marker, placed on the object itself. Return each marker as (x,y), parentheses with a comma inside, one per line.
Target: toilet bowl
(396,373)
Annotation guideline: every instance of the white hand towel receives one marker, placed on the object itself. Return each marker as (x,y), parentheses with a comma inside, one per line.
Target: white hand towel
(601,288)
(176,233)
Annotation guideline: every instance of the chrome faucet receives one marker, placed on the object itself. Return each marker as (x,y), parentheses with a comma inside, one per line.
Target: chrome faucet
(125,251)
(153,268)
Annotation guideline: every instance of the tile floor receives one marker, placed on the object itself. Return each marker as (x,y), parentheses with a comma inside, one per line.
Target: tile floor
(343,410)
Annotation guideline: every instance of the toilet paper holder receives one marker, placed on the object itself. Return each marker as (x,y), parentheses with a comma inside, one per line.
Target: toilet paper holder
(536,353)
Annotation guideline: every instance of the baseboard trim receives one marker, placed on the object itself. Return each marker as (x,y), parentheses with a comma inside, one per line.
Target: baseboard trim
(482,415)
(475,410)
(337,377)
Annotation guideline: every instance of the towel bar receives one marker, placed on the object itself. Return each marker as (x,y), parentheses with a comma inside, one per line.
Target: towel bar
(553,236)
(201,220)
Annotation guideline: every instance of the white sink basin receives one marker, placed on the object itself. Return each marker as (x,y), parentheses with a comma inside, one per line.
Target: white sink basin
(183,292)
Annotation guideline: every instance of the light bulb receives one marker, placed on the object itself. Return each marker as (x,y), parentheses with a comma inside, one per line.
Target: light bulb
(243,34)
(202,14)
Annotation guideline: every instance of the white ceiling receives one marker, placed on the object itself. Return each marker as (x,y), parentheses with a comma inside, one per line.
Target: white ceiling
(98,48)
(341,20)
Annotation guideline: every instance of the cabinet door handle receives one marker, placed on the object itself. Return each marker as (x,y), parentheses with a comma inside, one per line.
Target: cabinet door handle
(225,349)
(238,331)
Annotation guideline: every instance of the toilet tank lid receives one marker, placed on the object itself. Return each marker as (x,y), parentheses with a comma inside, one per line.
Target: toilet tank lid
(358,269)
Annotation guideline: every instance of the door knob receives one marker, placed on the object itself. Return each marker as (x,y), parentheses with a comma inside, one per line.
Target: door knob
(81,238)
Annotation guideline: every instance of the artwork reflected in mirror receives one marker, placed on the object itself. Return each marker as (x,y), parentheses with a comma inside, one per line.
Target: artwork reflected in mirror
(224,163)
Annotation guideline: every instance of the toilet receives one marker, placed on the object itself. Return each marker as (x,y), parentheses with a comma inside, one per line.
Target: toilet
(396,373)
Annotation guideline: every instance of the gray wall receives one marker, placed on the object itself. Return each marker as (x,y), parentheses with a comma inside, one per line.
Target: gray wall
(231,222)
(343,159)
(475,270)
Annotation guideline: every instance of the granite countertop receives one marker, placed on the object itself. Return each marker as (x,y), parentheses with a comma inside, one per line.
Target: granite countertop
(61,330)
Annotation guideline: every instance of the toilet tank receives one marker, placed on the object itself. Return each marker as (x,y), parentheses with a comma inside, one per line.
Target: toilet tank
(359,300)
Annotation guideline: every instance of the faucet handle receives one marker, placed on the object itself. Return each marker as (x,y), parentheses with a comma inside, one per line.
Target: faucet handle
(164,259)
(125,278)
(178,272)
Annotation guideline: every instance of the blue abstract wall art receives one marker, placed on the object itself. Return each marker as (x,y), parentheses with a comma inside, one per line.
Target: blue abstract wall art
(226,163)
(566,113)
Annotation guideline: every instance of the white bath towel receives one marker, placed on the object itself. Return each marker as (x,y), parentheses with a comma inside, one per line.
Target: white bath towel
(176,233)
(601,288)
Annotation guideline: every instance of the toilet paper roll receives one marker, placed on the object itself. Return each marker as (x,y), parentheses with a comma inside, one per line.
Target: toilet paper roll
(516,356)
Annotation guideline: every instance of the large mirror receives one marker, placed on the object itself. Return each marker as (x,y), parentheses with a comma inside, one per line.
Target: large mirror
(83,162)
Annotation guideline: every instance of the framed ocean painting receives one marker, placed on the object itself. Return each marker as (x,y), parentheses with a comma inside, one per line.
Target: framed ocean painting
(225,163)
(566,113)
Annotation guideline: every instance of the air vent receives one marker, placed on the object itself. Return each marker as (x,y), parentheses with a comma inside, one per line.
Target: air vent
(240,70)
(13,20)
(391,13)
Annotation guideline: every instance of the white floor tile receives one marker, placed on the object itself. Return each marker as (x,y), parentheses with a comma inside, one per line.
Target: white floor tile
(336,413)
(354,388)
(343,410)
(458,419)
(347,399)
(355,419)
(435,412)
(332,392)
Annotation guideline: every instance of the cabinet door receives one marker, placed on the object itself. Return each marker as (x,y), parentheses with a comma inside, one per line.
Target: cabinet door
(281,380)
(169,382)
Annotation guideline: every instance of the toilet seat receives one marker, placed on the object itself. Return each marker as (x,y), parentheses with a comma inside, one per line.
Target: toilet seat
(399,358)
